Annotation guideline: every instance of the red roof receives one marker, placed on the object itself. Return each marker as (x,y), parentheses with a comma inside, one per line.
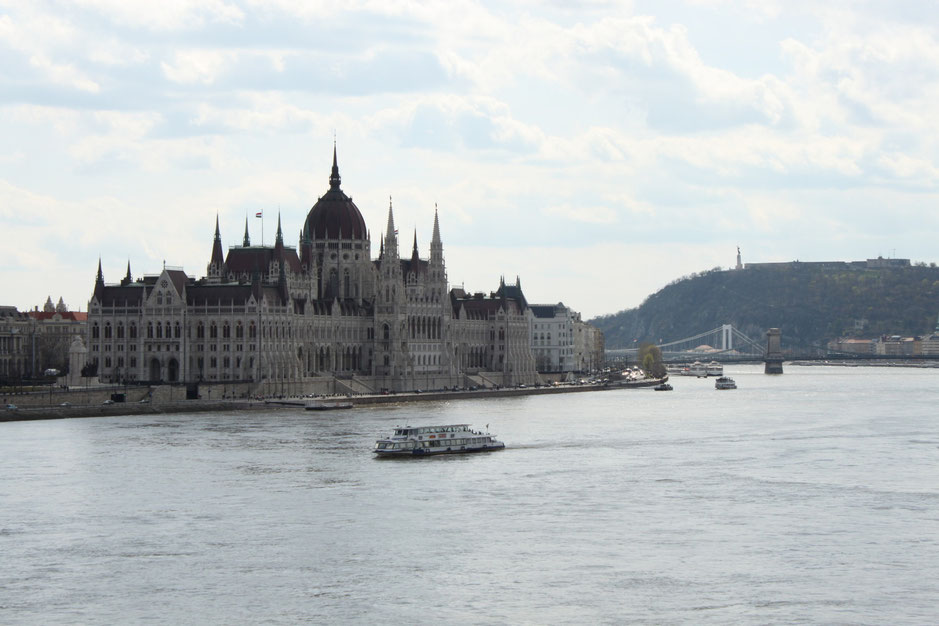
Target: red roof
(74,316)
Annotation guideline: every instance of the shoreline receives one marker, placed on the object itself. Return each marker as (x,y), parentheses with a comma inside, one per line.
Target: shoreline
(207,406)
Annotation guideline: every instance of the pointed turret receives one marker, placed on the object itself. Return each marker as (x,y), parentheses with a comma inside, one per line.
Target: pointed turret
(60,307)
(279,240)
(415,256)
(48,307)
(391,235)
(436,245)
(99,282)
(128,278)
(247,240)
(334,179)
(216,268)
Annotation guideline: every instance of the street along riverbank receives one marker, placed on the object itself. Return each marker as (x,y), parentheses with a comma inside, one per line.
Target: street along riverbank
(201,405)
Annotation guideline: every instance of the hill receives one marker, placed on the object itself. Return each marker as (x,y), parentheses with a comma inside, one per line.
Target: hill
(810,303)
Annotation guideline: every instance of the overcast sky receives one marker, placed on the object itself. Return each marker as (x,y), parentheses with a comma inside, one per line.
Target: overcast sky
(597,150)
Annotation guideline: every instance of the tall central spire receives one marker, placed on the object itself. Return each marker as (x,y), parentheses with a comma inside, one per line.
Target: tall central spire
(334,179)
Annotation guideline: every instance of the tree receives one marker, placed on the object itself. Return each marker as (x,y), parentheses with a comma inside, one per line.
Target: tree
(650,357)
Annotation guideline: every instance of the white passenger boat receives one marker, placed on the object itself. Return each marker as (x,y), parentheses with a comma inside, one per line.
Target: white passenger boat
(725,382)
(698,369)
(428,440)
(715,369)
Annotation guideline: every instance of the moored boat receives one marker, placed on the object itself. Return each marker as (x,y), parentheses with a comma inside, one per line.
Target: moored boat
(725,382)
(327,405)
(714,369)
(431,440)
(663,387)
(698,369)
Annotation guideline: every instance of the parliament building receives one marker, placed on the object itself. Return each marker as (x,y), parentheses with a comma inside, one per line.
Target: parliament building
(320,317)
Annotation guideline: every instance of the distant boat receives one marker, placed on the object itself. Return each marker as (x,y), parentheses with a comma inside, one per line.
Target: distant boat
(725,383)
(327,405)
(663,387)
(715,369)
(698,369)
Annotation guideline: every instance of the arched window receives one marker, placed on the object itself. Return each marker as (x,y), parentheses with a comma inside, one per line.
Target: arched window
(133,330)
(120,330)
(107,330)
(200,331)
(213,331)
(386,332)
(149,330)
(226,331)
(252,331)
(239,331)
(176,330)
(95,331)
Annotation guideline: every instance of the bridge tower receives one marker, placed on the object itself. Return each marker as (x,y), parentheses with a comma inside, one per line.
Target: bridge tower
(773,358)
(727,337)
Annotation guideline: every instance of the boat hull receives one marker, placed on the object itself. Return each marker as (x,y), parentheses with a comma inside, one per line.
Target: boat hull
(328,406)
(420,452)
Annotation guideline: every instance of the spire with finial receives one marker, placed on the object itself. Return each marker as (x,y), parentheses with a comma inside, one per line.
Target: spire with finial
(391,236)
(128,279)
(99,282)
(334,178)
(246,242)
(217,263)
(415,256)
(436,245)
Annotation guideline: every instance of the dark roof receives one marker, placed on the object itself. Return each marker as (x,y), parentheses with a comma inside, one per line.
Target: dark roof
(513,292)
(543,310)
(418,267)
(335,214)
(179,279)
(218,295)
(115,295)
(247,260)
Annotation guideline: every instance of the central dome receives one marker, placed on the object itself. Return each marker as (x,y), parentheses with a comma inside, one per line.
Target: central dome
(335,214)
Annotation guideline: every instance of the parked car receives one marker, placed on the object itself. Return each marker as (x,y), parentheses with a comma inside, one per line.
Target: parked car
(11,407)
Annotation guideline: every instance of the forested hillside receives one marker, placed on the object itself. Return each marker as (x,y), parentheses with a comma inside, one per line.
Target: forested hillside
(810,304)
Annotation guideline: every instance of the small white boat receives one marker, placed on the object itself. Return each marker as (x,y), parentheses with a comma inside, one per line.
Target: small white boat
(715,369)
(725,382)
(327,405)
(430,440)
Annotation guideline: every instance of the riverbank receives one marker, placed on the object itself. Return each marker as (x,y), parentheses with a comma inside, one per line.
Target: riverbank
(200,406)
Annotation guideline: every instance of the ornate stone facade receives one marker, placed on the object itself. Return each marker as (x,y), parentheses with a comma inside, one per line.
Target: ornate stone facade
(276,318)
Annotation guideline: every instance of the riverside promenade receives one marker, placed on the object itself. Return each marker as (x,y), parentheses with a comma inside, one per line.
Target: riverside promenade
(269,404)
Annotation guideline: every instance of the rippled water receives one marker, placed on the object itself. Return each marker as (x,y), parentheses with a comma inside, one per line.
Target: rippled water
(811,497)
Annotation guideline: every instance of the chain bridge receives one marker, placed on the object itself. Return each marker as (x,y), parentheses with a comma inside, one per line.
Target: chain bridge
(724,343)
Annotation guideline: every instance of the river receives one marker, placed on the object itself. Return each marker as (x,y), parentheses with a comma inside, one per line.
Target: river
(811,497)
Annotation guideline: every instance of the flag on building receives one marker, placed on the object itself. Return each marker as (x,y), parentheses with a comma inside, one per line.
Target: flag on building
(259,214)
